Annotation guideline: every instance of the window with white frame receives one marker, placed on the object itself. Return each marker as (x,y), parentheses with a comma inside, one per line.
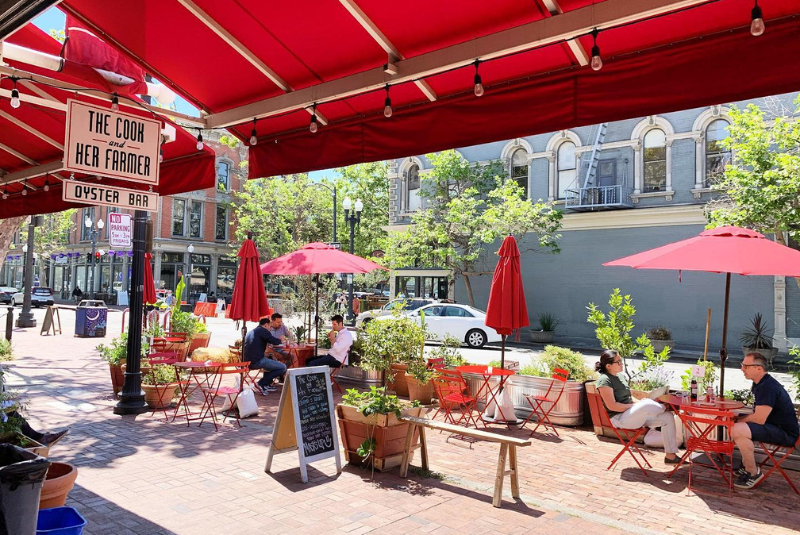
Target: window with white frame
(221,225)
(717,156)
(195,219)
(223,175)
(655,160)
(518,169)
(566,168)
(178,217)
(413,201)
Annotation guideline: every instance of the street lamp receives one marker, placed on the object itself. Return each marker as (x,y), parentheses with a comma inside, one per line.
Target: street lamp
(190,249)
(354,218)
(94,231)
(26,318)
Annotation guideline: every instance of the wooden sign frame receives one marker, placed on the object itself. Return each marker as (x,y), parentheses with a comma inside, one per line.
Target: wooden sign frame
(49,321)
(288,428)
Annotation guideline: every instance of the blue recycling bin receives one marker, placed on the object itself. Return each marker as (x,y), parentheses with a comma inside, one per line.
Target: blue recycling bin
(91,317)
(60,521)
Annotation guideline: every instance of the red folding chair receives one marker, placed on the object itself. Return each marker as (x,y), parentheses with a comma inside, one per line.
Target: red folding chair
(451,391)
(627,437)
(436,363)
(216,389)
(168,358)
(774,463)
(701,425)
(538,403)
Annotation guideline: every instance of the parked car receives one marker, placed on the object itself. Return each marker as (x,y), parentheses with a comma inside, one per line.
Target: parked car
(39,298)
(461,321)
(388,308)
(6,294)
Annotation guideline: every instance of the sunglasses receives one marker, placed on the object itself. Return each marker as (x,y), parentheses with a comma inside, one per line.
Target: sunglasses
(748,365)
(616,362)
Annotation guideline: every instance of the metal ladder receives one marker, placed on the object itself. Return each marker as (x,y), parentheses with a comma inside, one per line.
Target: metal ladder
(594,157)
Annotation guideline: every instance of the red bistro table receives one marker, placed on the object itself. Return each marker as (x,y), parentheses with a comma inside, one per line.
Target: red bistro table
(301,352)
(486,389)
(199,374)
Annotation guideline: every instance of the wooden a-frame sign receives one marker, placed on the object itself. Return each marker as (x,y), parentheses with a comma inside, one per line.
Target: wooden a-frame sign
(49,321)
(306,421)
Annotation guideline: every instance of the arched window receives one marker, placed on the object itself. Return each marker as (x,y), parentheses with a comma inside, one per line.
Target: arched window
(717,156)
(655,160)
(566,168)
(519,170)
(223,175)
(413,202)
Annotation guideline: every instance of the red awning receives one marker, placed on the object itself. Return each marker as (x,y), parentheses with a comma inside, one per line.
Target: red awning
(32,138)
(274,60)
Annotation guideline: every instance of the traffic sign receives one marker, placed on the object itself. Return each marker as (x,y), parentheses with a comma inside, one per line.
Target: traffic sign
(120,230)
(99,194)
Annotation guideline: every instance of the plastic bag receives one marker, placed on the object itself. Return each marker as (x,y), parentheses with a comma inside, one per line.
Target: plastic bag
(246,403)
(653,439)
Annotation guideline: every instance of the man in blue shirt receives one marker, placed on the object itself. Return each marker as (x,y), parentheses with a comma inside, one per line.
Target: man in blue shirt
(773,421)
(255,347)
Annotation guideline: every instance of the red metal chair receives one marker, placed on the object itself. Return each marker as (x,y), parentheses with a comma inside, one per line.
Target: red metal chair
(772,462)
(538,403)
(627,437)
(701,425)
(436,363)
(168,358)
(216,389)
(451,391)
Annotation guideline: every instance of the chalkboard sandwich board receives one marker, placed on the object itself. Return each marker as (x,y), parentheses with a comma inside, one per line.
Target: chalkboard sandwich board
(306,420)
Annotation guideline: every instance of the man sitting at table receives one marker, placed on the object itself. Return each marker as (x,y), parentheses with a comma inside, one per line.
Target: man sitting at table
(774,420)
(341,340)
(254,352)
(281,331)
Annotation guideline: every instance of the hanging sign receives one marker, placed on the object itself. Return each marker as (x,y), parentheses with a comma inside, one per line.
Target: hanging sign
(100,194)
(306,421)
(103,142)
(120,230)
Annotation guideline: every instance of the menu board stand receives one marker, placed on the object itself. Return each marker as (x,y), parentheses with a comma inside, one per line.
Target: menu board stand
(306,420)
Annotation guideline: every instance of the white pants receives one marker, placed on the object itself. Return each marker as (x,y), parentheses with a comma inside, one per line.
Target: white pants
(650,413)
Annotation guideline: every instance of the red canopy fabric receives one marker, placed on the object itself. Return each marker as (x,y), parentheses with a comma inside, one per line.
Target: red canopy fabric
(507,311)
(149,293)
(651,66)
(721,250)
(249,300)
(316,258)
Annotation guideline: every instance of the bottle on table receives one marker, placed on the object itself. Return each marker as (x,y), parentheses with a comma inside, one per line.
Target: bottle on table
(710,393)
(694,390)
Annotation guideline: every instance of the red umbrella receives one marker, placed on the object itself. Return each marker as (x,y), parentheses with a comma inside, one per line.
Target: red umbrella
(149,294)
(249,300)
(507,311)
(315,258)
(721,250)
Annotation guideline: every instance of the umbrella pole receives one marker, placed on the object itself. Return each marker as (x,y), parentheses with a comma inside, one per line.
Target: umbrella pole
(502,357)
(723,353)
(708,326)
(316,316)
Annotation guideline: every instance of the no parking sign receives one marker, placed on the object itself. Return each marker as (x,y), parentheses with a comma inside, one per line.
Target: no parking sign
(120,230)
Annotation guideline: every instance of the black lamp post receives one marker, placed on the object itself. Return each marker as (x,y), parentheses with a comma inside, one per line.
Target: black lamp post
(94,230)
(26,319)
(353,217)
(190,250)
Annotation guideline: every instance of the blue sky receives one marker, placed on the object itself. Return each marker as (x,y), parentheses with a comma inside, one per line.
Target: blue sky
(54,19)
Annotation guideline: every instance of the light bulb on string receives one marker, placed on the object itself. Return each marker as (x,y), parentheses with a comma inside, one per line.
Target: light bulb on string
(387,104)
(115,102)
(253,135)
(46,185)
(5,194)
(597,61)
(756,21)
(477,80)
(160,155)
(24,188)
(199,141)
(313,126)
(15,95)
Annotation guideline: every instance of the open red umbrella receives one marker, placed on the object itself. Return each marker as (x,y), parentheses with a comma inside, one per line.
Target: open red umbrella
(149,293)
(721,250)
(507,311)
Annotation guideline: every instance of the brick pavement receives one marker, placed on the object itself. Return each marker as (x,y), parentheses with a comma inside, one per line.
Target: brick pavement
(141,476)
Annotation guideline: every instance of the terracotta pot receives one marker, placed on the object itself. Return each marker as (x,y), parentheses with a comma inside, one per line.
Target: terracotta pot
(117,377)
(198,340)
(398,382)
(159,396)
(422,392)
(59,481)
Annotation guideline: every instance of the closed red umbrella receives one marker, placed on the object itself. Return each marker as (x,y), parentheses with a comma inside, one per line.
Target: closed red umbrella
(721,250)
(249,300)
(507,311)
(149,293)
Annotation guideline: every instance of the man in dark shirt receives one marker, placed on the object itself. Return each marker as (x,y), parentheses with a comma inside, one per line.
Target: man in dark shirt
(255,347)
(773,421)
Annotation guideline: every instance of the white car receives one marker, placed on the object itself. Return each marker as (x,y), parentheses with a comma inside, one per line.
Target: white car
(460,321)
(387,309)
(39,298)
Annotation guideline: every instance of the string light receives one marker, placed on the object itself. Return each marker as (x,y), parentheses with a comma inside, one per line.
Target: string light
(387,104)
(597,61)
(15,95)
(756,21)
(313,127)
(24,188)
(253,135)
(199,140)
(160,155)
(5,194)
(477,80)
(115,102)
(46,184)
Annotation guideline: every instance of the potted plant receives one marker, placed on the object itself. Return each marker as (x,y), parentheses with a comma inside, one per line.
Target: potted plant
(535,379)
(299,333)
(390,345)
(116,353)
(201,337)
(159,386)
(58,482)
(371,431)
(11,405)
(419,378)
(547,326)
(758,338)
(183,322)
(660,337)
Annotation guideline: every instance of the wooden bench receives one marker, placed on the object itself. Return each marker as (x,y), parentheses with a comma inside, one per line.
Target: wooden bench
(508,448)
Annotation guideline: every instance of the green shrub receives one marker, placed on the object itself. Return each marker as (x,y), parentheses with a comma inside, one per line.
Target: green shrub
(375,401)
(161,374)
(548,322)
(559,357)
(396,340)
(6,351)
(117,350)
(184,322)
(707,380)
(450,351)
(659,333)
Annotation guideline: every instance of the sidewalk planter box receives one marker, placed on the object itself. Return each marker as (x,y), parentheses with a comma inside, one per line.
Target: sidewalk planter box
(117,377)
(199,340)
(389,434)
(541,337)
(355,376)
(398,383)
(422,392)
(569,409)
(26,443)
(651,394)
(59,481)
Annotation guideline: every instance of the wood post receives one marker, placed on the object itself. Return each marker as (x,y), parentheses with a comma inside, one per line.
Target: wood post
(501,472)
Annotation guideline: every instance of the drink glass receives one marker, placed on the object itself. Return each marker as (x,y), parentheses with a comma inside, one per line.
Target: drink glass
(489,369)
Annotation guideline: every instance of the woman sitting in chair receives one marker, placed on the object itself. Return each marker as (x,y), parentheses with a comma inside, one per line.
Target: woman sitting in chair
(629,413)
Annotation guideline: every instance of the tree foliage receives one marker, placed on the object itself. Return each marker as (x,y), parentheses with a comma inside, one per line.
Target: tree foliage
(467,207)
(50,237)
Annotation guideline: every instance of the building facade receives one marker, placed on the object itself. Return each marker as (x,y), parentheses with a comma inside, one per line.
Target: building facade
(624,187)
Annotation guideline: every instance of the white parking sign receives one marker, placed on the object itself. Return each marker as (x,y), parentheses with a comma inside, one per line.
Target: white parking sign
(120,230)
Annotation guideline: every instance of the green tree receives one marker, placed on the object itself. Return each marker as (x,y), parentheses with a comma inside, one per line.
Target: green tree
(469,207)
(367,182)
(49,238)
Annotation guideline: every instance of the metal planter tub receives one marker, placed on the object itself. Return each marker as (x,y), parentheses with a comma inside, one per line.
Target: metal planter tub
(357,377)
(569,409)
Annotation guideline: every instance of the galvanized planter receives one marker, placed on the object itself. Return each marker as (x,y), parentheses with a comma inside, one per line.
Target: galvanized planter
(357,377)
(569,409)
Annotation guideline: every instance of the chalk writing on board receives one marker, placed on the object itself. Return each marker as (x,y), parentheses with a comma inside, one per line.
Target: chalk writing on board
(313,407)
